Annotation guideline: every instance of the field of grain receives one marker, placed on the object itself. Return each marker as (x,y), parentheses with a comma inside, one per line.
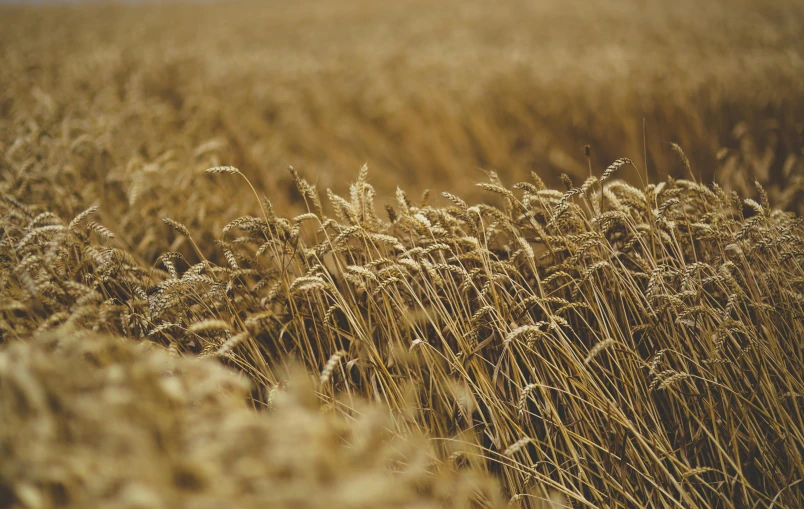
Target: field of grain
(354,254)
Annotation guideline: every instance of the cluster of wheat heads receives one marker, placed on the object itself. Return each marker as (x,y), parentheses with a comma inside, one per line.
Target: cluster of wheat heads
(619,346)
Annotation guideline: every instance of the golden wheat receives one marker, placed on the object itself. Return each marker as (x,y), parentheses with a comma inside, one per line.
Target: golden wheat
(629,341)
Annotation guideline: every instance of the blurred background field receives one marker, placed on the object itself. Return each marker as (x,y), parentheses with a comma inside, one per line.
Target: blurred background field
(126,104)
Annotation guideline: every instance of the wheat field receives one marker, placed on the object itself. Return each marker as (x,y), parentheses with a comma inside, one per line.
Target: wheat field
(351,254)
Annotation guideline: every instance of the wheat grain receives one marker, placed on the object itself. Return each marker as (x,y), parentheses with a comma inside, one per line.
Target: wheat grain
(599,348)
(207,326)
(516,446)
(329,367)
(223,169)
